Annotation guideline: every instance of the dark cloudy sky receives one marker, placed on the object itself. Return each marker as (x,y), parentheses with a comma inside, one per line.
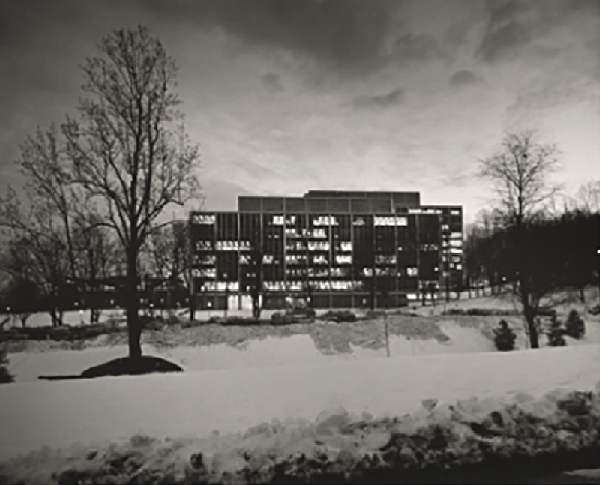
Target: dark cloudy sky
(290,95)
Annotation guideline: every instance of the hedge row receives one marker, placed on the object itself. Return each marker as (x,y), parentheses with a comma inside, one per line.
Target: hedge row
(58,333)
(471,441)
(489,312)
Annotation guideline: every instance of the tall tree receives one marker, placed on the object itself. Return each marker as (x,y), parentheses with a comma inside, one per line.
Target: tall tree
(129,150)
(126,156)
(520,173)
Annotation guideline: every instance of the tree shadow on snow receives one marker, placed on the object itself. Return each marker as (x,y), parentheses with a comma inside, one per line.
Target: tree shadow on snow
(121,367)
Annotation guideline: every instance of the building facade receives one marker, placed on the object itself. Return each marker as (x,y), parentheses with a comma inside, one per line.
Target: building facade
(334,249)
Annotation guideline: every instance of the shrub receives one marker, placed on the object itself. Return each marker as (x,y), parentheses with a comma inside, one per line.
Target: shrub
(310,313)
(595,310)
(556,333)
(339,316)
(504,337)
(575,326)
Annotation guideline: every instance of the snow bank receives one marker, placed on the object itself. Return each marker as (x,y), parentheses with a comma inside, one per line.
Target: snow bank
(62,412)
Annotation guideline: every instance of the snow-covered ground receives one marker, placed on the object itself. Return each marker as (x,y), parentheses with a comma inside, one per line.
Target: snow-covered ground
(59,413)
(271,351)
(293,350)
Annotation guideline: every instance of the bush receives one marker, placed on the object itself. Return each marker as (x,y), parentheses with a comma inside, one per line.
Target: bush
(309,313)
(339,316)
(556,333)
(575,326)
(504,337)
(595,310)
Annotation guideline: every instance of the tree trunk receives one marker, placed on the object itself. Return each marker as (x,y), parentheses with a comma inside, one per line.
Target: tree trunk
(387,333)
(529,313)
(134,330)
(533,333)
(256,307)
(373,292)
(582,294)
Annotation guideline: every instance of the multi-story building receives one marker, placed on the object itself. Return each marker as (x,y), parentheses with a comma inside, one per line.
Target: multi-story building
(337,246)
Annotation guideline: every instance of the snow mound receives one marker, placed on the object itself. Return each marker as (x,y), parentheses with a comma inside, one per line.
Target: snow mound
(473,439)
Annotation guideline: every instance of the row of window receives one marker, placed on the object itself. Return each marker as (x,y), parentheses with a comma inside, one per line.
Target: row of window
(455,246)
(411,271)
(233,286)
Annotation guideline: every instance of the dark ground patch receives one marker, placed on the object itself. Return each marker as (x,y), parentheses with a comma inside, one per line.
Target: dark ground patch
(121,367)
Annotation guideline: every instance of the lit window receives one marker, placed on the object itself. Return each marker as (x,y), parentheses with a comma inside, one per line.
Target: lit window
(412,271)
(204,219)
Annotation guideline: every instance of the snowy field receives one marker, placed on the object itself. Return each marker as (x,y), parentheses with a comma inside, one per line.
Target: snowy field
(294,350)
(321,345)
(60,413)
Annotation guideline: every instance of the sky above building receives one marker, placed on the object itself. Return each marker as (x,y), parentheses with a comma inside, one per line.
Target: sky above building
(285,96)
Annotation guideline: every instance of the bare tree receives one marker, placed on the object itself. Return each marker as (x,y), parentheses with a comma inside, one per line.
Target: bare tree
(129,150)
(40,230)
(37,249)
(519,173)
(587,198)
(126,157)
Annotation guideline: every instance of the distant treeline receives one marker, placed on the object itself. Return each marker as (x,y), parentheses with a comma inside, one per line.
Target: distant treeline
(555,252)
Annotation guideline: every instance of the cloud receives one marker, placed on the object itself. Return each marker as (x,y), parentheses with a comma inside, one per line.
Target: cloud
(272,82)
(458,180)
(392,98)
(417,47)
(513,25)
(346,35)
(464,78)
(505,32)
